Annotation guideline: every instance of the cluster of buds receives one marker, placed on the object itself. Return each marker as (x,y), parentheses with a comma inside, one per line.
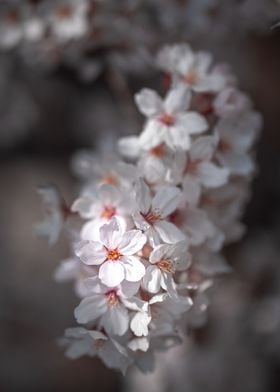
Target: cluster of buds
(157,220)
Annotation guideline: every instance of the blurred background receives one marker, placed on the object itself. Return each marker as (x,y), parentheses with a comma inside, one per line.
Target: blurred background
(68,72)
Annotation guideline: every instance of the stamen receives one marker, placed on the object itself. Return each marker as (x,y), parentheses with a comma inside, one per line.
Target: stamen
(113,254)
(152,217)
(112,298)
(165,266)
(191,77)
(167,119)
(158,151)
(108,212)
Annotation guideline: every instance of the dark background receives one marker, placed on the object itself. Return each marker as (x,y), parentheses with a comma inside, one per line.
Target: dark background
(34,310)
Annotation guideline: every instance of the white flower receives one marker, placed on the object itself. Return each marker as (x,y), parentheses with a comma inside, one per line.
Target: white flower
(10,29)
(200,171)
(81,341)
(108,306)
(195,223)
(168,121)
(231,100)
(101,205)
(69,20)
(153,212)
(189,68)
(164,261)
(236,136)
(115,253)
(56,212)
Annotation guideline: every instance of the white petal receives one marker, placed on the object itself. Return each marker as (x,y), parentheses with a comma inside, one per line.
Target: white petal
(192,123)
(192,189)
(143,196)
(158,253)
(132,242)
(115,320)
(152,279)
(166,200)
(211,175)
(91,253)
(83,206)
(141,344)
(134,269)
(111,273)
(149,102)
(90,309)
(203,148)
(178,99)
(168,232)
(153,134)
(129,147)
(111,234)
(139,324)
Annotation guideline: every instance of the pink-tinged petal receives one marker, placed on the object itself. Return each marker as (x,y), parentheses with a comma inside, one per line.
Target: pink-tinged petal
(153,134)
(90,309)
(166,200)
(152,279)
(111,233)
(139,324)
(91,252)
(203,148)
(148,102)
(115,320)
(192,123)
(177,100)
(168,232)
(211,175)
(134,269)
(143,196)
(132,242)
(111,273)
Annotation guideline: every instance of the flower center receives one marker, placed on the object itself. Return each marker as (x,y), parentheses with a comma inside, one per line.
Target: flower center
(167,119)
(165,266)
(112,298)
(64,12)
(98,344)
(113,255)
(152,217)
(109,179)
(191,167)
(224,145)
(158,151)
(191,77)
(108,212)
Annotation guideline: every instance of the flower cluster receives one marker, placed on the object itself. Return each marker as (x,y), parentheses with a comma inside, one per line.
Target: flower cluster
(156,221)
(76,33)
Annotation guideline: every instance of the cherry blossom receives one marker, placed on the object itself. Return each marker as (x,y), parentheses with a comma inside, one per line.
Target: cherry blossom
(153,211)
(115,253)
(168,120)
